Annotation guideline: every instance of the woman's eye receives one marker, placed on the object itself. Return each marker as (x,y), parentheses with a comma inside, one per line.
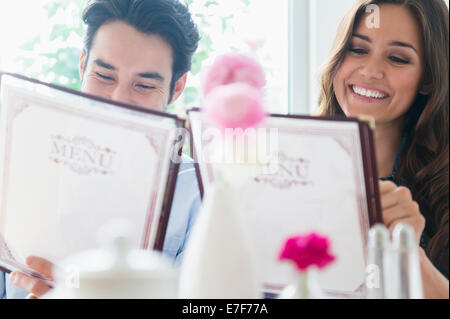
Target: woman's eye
(398,60)
(104,77)
(358,51)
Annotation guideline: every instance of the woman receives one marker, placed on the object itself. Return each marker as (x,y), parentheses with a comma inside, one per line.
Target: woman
(390,61)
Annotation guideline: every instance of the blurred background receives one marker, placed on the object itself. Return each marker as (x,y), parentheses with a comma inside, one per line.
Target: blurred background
(290,38)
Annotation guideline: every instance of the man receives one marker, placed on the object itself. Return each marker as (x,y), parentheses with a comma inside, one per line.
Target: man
(139,52)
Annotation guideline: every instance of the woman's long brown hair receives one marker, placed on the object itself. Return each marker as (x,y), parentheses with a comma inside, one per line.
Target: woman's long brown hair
(424,164)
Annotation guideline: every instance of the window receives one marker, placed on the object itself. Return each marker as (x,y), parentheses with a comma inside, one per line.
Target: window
(49,44)
(42,39)
(255,27)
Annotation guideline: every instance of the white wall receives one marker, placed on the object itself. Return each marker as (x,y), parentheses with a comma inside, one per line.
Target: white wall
(313,27)
(325,18)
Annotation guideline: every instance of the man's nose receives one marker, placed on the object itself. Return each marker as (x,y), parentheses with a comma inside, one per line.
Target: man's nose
(121,93)
(372,68)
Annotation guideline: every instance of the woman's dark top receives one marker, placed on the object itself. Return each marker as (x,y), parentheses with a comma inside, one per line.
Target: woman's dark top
(442,260)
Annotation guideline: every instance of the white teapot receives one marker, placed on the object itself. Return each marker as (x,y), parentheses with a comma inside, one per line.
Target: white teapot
(115,272)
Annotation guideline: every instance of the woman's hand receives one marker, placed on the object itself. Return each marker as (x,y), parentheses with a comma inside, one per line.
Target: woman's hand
(399,207)
(435,285)
(35,286)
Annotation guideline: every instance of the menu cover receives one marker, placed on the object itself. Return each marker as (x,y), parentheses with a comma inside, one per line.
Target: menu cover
(71,162)
(325,181)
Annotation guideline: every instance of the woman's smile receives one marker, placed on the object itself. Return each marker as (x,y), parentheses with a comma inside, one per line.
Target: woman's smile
(367,94)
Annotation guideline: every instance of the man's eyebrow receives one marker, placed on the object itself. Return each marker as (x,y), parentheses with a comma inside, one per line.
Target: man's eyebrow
(393,43)
(105,65)
(151,75)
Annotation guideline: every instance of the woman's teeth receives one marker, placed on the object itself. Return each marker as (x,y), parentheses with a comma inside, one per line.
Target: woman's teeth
(368,93)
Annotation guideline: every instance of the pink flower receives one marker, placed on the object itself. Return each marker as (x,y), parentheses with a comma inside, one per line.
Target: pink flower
(306,251)
(236,105)
(233,68)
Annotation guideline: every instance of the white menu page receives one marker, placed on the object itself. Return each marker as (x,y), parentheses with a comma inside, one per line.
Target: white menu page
(70,164)
(318,186)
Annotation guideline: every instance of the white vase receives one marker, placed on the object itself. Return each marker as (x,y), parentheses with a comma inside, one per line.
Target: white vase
(218,262)
(306,287)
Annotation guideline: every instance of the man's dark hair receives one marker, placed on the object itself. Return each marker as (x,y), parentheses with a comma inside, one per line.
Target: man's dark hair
(169,19)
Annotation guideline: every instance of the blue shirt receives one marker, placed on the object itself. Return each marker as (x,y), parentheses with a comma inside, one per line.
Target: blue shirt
(185,206)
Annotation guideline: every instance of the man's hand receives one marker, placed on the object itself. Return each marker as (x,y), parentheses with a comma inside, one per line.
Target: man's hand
(399,207)
(35,286)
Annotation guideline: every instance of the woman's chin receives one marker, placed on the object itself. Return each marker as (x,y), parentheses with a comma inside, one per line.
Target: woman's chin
(359,111)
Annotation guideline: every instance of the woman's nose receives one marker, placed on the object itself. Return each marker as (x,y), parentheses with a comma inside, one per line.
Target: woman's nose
(372,68)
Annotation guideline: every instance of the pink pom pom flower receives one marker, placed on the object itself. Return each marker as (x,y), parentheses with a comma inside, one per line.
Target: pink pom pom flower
(233,68)
(236,105)
(306,251)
